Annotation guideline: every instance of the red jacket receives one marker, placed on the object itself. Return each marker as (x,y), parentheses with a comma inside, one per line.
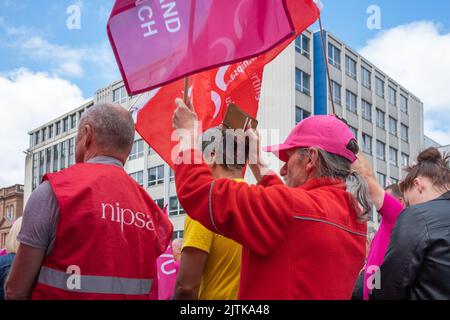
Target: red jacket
(298,243)
(110,233)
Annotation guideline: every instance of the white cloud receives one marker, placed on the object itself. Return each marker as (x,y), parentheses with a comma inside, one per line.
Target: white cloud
(28,100)
(62,60)
(67,61)
(417,56)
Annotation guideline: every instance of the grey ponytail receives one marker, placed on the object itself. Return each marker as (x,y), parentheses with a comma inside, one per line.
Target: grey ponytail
(357,185)
(334,166)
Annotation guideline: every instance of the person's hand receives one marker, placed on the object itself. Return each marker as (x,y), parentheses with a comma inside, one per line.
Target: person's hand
(257,165)
(185,122)
(184,116)
(363,167)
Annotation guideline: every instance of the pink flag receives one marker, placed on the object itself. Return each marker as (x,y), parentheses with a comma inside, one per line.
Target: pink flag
(167,274)
(156,42)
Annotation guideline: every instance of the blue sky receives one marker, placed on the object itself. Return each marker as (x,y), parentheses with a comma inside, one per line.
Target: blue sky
(345,18)
(47,19)
(47,69)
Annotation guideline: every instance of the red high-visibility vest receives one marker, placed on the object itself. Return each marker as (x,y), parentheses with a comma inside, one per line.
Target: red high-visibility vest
(109,234)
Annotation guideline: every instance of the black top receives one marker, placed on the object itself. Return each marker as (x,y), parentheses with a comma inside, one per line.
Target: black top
(417,262)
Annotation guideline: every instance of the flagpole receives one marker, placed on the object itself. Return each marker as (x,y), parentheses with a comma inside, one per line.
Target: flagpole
(191,34)
(328,67)
(186,90)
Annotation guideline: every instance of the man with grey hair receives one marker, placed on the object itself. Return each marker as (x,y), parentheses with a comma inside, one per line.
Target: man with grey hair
(90,231)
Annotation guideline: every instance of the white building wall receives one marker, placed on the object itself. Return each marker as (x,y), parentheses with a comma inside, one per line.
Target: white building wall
(277,117)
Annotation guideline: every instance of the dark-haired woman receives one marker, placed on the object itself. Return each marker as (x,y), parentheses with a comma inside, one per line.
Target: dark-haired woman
(417,263)
(388,203)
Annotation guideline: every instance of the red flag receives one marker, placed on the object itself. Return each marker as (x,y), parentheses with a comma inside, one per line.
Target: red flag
(212,91)
(159,41)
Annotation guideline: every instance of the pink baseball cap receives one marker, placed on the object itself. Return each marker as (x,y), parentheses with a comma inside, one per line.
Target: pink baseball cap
(325,132)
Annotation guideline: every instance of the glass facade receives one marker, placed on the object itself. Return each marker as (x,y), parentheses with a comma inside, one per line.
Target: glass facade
(350,67)
(302,81)
(334,56)
(156,175)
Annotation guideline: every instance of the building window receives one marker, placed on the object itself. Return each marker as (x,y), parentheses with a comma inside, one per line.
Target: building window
(350,67)
(55,157)
(138,177)
(303,45)
(300,115)
(366,110)
(36,138)
(73,121)
(351,101)
(355,132)
(393,156)
(50,131)
(175,208)
(405,160)
(392,96)
(381,179)
(392,126)
(119,95)
(65,124)
(151,151)
(379,87)
(366,78)
(63,149)
(58,128)
(41,164)
(336,87)
(381,150)
(334,56)
(155,176)
(9,213)
(44,134)
(71,151)
(138,150)
(160,203)
(177,235)
(367,143)
(404,133)
(171,175)
(381,119)
(35,179)
(394,180)
(302,81)
(48,160)
(403,103)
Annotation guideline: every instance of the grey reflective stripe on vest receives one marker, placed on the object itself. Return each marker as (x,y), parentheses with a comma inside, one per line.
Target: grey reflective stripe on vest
(331,223)
(95,284)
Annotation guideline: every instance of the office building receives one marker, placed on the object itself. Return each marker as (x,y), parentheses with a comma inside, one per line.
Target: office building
(386,118)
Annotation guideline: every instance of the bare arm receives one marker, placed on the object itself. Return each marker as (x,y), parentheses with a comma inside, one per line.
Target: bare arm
(24,272)
(36,235)
(256,162)
(193,262)
(376,191)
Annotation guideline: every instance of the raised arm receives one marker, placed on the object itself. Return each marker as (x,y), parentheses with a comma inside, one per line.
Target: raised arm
(376,191)
(254,216)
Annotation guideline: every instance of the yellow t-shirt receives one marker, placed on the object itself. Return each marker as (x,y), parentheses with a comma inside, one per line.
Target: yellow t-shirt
(220,278)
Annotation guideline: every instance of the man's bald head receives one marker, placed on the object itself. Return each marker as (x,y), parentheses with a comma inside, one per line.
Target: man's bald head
(105,129)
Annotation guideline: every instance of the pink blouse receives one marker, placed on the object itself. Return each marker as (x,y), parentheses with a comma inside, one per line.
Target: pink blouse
(390,211)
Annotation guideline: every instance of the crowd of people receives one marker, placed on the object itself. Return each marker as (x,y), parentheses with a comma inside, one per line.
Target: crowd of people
(91,232)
